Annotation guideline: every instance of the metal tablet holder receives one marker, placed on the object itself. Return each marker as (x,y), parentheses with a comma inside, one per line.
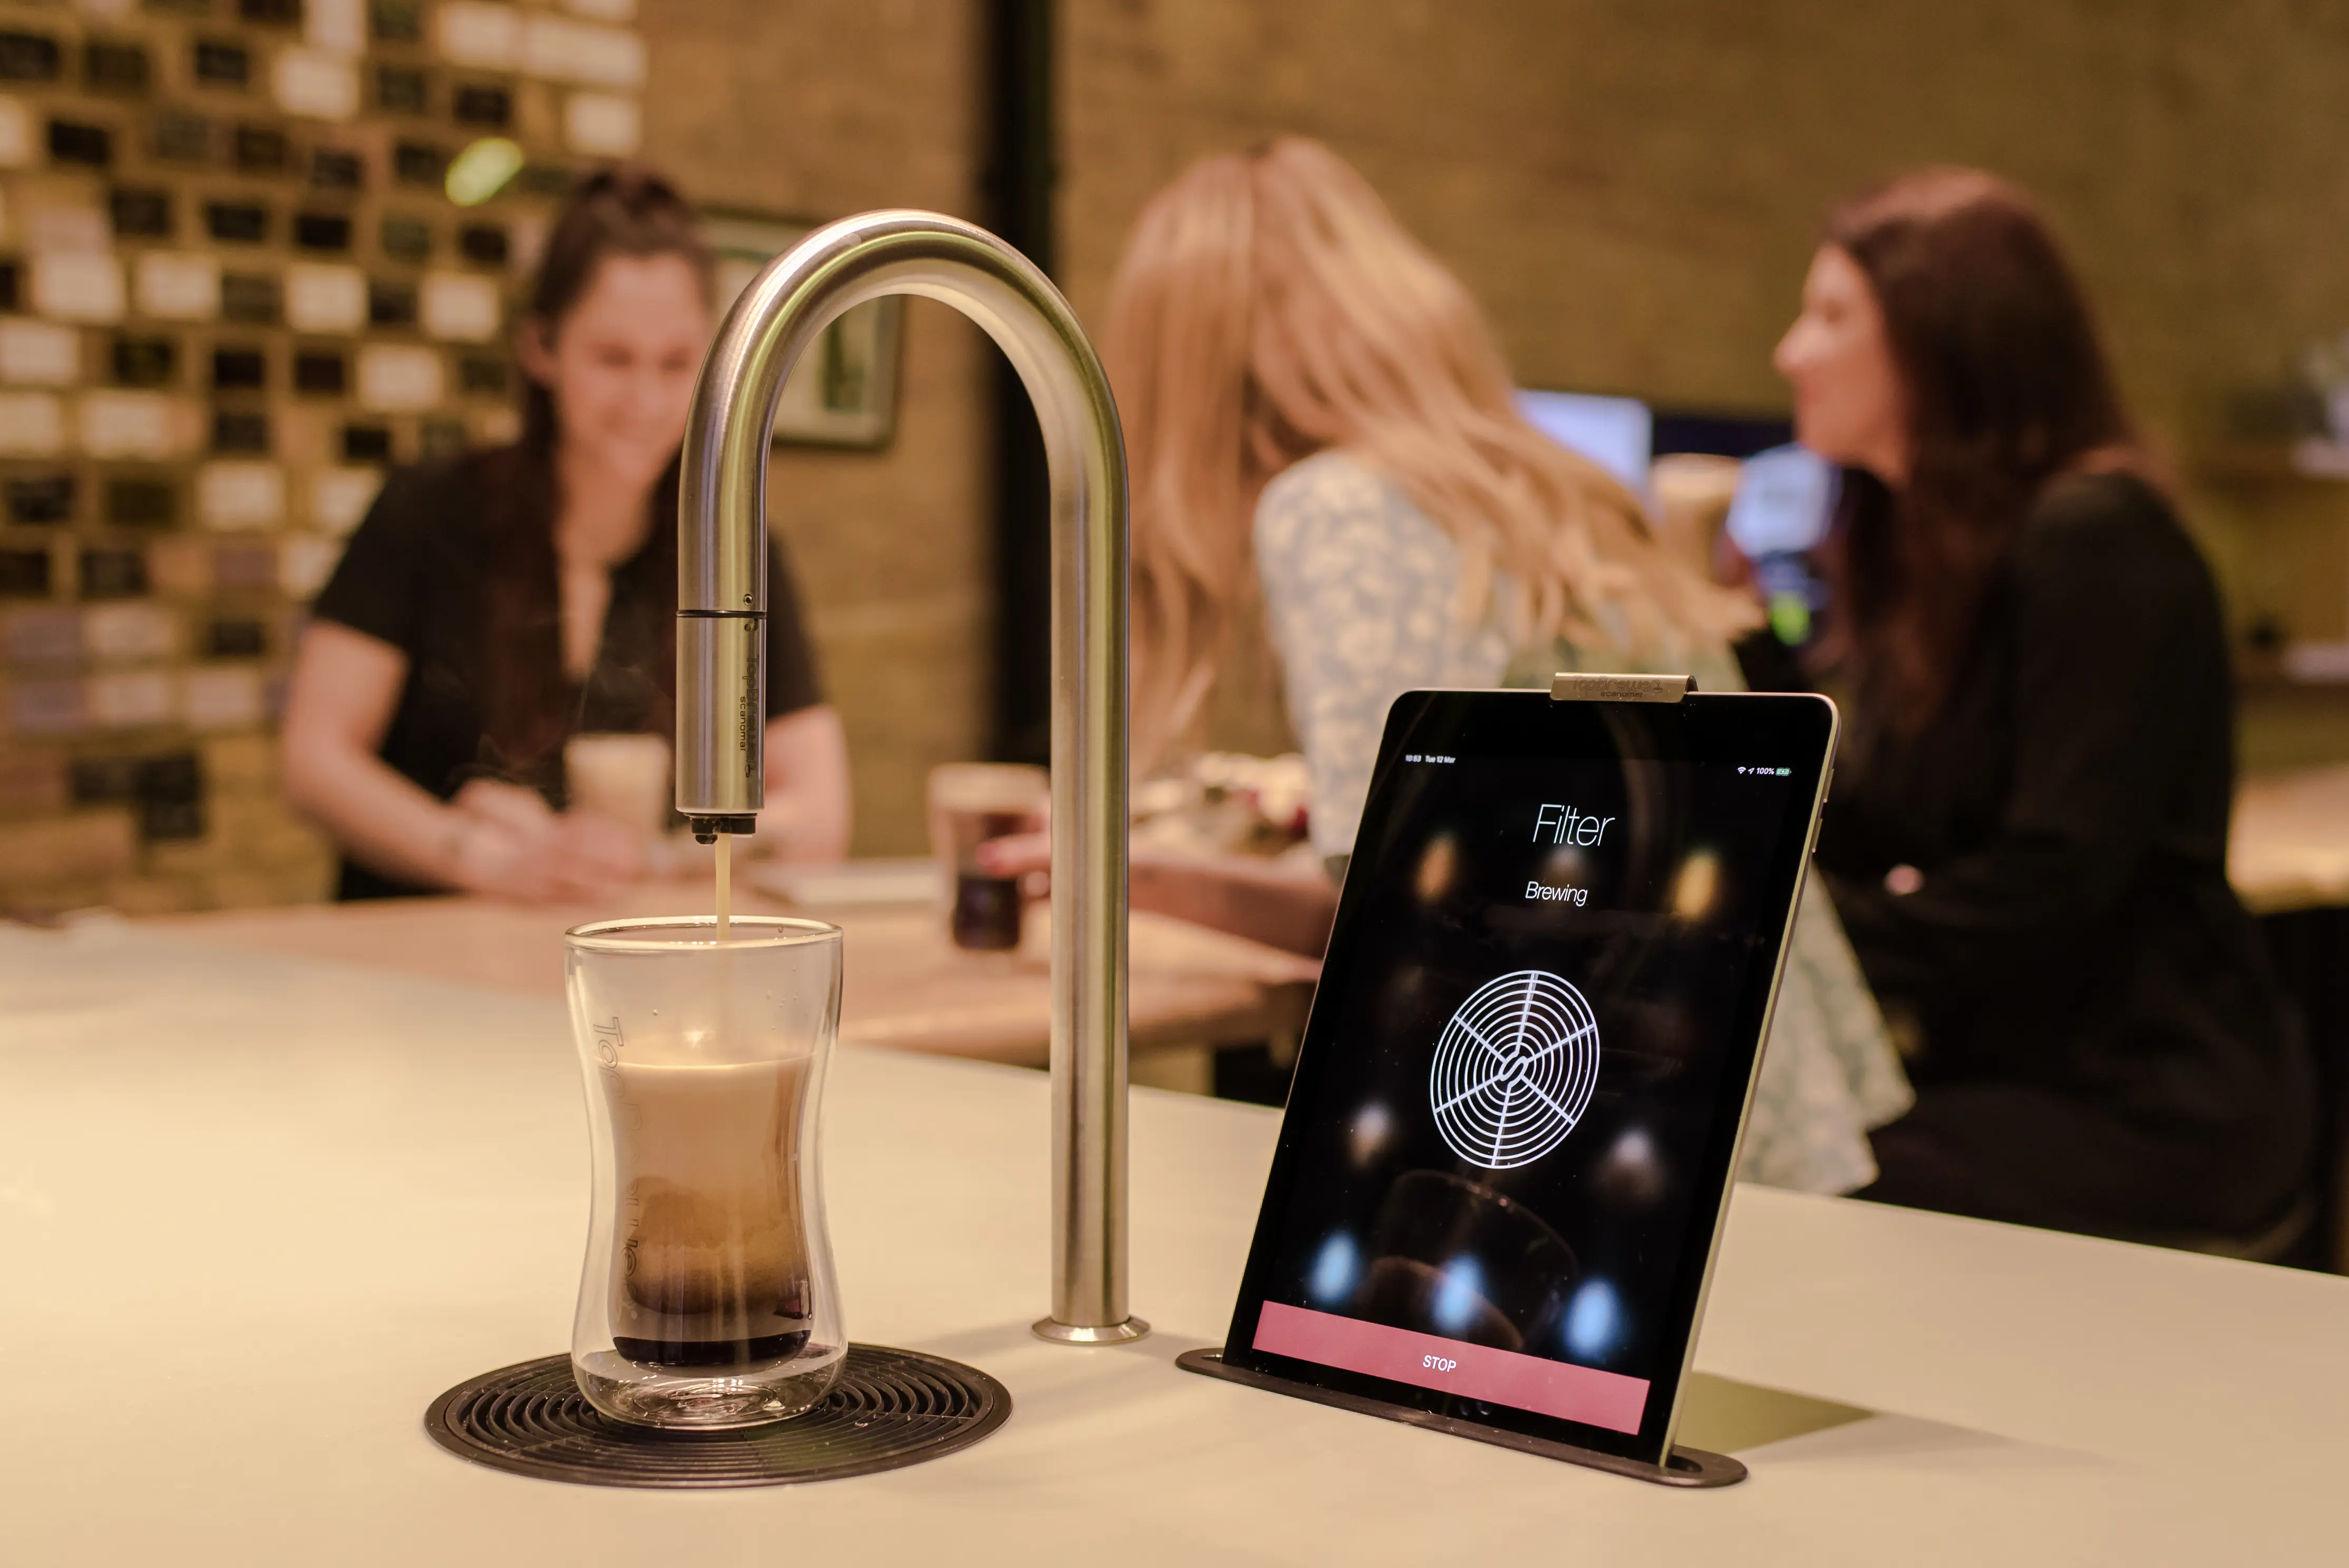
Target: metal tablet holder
(1682,1467)
(1571,687)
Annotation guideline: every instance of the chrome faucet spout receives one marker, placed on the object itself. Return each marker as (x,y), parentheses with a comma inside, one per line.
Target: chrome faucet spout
(721,679)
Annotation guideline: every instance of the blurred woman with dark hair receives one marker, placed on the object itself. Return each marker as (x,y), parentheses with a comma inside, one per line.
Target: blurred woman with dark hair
(493,605)
(2027,836)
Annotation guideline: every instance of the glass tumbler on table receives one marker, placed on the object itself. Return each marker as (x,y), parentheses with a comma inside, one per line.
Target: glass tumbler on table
(707,1300)
(970,803)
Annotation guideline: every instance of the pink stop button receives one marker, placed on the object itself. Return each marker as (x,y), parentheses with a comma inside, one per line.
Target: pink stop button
(1547,1388)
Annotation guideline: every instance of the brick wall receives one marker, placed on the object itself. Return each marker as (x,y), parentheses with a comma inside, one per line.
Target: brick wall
(1633,187)
(233,287)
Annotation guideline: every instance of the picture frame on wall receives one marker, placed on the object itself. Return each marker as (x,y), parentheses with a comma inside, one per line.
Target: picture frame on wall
(843,391)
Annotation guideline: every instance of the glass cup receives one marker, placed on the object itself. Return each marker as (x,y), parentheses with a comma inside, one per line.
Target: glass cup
(623,778)
(707,1300)
(971,802)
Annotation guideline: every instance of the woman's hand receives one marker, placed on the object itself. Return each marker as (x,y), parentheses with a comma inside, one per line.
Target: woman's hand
(520,811)
(1026,856)
(567,866)
(507,843)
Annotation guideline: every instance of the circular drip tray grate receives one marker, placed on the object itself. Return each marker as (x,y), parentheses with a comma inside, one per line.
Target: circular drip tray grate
(888,1408)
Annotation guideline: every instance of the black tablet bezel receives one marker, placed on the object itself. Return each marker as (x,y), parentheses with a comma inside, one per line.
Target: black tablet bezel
(1795,730)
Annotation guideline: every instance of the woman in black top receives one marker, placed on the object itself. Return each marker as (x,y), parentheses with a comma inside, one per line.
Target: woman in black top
(2027,833)
(493,606)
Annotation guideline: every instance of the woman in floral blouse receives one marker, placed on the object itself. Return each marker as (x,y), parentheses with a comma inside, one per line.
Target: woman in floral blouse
(1325,446)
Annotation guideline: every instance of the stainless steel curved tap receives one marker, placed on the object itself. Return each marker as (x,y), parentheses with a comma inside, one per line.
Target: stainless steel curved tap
(720,683)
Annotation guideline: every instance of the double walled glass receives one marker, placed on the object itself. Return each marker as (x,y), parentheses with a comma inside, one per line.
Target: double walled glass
(708,1300)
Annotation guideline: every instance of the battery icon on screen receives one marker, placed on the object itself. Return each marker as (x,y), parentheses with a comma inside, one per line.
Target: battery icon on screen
(1785,772)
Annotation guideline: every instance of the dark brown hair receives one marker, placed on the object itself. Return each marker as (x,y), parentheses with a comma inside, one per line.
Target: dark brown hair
(2007,387)
(530,706)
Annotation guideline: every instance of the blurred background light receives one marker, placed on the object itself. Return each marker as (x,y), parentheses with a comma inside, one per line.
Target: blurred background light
(1437,867)
(1459,1294)
(1697,886)
(1335,1268)
(1565,867)
(1594,1321)
(1616,433)
(482,170)
(1785,497)
(1634,1168)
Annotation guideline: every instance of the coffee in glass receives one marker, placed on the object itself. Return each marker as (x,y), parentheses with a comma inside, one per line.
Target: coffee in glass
(707,1300)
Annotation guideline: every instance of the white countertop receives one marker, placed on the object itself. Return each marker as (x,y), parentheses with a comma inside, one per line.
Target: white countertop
(258,1211)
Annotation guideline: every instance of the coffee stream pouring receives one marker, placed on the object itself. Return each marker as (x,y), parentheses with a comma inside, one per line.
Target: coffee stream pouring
(721,678)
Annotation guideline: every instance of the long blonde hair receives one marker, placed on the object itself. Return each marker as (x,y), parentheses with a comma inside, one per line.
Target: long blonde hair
(1267,307)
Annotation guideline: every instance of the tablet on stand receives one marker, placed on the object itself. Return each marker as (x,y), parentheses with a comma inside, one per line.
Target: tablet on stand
(1507,1156)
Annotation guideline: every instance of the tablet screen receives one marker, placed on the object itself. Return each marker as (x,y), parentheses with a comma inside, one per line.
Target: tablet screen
(1508,1143)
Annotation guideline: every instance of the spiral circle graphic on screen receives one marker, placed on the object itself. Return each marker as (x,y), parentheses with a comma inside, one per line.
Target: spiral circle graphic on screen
(1513,1069)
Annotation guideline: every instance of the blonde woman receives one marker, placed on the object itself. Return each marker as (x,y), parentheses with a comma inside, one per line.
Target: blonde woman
(1324,441)
(1317,414)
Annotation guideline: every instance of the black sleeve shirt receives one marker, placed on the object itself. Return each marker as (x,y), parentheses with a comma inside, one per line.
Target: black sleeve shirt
(415,576)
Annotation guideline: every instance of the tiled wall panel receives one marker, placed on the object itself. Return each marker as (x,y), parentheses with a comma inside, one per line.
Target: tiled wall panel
(234,288)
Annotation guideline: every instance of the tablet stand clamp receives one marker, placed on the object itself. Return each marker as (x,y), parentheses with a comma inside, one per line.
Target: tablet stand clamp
(1566,686)
(1682,1467)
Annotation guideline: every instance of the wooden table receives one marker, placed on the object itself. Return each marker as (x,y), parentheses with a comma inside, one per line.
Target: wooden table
(906,985)
(2290,847)
(259,1210)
